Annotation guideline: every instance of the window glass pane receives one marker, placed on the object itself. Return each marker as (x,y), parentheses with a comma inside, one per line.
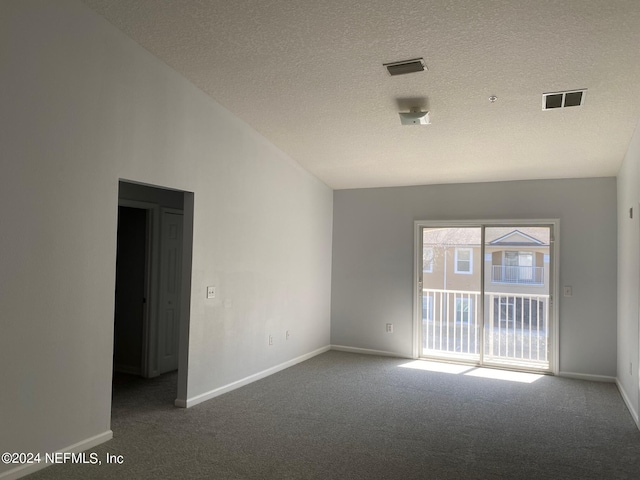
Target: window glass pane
(427,259)
(525,259)
(516,296)
(511,258)
(449,328)
(427,307)
(463,260)
(463,310)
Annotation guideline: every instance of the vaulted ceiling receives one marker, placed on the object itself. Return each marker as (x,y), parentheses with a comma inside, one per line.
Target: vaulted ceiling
(309,75)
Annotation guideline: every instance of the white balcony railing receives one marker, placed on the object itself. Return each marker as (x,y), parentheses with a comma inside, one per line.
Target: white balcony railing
(516,326)
(517,274)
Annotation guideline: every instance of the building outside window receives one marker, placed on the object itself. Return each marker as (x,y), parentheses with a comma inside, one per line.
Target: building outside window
(464,260)
(519,266)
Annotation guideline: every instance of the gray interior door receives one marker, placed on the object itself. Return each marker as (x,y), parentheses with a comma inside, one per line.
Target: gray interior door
(130,290)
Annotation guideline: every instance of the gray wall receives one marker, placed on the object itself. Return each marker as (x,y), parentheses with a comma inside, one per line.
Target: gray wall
(628,278)
(372,277)
(82,107)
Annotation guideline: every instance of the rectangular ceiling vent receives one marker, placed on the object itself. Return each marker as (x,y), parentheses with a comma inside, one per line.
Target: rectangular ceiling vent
(405,66)
(570,98)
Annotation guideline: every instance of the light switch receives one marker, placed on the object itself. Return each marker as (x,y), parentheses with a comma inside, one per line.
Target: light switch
(211,292)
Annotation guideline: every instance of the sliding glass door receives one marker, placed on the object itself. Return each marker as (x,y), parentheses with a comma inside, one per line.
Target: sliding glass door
(484,294)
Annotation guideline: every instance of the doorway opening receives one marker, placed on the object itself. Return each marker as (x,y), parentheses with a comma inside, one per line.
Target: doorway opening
(485,293)
(152,292)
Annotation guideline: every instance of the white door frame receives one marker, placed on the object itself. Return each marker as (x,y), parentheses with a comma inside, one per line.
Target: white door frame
(185,295)
(554,279)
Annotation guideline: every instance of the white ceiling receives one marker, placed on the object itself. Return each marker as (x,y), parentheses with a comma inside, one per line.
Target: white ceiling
(308,75)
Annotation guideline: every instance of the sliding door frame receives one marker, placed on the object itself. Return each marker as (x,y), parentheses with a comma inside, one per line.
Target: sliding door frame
(554,278)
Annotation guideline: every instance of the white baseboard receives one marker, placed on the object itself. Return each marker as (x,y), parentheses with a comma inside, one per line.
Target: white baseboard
(203,397)
(589,377)
(627,402)
(81,446)
(368,351)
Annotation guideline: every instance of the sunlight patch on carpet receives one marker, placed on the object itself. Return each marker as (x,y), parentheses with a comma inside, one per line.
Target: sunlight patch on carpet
(457,369)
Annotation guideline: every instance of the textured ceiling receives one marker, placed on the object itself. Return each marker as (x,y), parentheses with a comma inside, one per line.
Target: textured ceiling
(308,75)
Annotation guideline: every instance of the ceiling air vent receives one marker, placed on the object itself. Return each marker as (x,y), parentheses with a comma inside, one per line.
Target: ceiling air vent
(406,66)
(571,98)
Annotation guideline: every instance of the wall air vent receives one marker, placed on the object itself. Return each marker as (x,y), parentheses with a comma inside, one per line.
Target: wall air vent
(571,98)
(406,66)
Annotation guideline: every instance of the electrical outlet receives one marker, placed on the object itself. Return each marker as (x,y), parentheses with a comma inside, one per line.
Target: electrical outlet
(270,340)
(568,291)
(389,327)
(211,292)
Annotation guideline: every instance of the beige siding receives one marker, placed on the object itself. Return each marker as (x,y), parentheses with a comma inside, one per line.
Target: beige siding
(444,261)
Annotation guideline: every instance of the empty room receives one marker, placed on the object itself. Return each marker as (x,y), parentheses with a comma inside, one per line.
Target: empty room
(331,239)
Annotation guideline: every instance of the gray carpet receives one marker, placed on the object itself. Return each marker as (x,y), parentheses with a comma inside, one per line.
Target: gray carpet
(348,416)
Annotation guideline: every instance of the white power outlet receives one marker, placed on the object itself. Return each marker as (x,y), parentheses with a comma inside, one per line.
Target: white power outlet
(389,327)
(211,292)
